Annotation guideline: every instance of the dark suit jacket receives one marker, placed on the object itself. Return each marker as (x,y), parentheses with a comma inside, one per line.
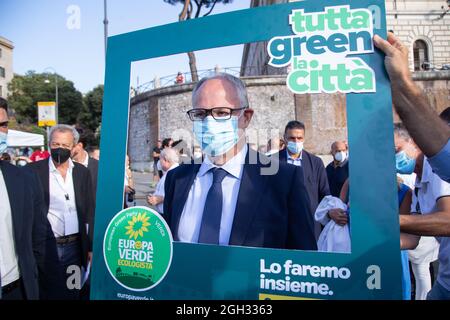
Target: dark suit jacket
(336,177)
(83,199)
(272,211)
(93,170)
(316,180)
(34,241)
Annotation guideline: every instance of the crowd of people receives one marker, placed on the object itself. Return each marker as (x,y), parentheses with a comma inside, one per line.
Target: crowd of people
(208,201)
(47,214)
(223,191)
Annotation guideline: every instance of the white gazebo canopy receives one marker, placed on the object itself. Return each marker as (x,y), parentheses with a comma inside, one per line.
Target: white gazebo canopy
(24,139)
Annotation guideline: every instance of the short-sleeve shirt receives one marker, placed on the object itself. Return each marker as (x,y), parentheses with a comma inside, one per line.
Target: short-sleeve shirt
(39,155)
(441,162)
(429,190)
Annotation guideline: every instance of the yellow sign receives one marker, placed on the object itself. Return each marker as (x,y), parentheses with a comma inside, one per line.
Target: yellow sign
(46,113)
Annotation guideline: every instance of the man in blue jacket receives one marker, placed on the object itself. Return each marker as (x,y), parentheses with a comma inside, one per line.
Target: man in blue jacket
(231,197)
(315,176)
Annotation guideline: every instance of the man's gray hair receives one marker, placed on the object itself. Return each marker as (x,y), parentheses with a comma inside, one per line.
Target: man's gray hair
(237,83)
(64,128)
(170,155)
(400,130)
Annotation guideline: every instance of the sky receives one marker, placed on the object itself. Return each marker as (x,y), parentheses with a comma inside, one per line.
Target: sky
(67,36)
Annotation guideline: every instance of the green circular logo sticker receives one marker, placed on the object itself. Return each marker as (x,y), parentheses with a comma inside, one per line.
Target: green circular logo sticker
(138,248)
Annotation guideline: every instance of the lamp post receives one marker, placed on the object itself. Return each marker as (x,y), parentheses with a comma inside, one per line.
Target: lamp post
(105,23)
(56,91)
(56,102)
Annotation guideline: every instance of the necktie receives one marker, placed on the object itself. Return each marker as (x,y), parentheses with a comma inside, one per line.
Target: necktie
(212,213)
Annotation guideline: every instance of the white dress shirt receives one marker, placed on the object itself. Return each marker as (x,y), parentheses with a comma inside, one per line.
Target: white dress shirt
(296,162)
(408,179)
(9,268)
(160,189)
(429,189)
(86,159)
(62,211)
(191,217)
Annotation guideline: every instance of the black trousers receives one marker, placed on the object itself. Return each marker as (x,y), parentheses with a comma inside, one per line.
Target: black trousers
(16,294)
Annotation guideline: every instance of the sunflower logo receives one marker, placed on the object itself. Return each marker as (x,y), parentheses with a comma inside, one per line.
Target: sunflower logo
(137,226)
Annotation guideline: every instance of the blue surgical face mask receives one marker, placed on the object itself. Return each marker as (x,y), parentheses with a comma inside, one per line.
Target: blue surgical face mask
(403,163)
(216,137)
(3,145)
(295,147)
(340,156)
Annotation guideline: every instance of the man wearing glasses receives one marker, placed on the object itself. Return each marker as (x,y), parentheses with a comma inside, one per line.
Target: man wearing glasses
(28,261)
(225,199)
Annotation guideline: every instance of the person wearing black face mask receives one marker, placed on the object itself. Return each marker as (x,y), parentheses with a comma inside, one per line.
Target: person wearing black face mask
(60,155)
(69,203)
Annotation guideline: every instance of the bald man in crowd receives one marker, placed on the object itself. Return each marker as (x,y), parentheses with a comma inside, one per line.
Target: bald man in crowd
(337,170)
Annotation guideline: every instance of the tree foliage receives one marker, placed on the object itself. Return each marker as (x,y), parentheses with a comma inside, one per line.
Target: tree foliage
(196,12)
(29,89)
(91,113)
(189,12)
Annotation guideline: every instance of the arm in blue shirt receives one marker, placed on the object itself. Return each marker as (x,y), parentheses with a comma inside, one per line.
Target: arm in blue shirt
(440,163)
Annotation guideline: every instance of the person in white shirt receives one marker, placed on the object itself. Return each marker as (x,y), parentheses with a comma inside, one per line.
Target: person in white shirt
(169,160)
(430,210)
(69,202)
(29,267)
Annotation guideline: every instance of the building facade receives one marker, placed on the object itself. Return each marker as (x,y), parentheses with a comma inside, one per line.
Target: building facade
(423,26)
(6,65)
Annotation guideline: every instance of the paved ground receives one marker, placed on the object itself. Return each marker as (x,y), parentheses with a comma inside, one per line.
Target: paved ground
(144,186)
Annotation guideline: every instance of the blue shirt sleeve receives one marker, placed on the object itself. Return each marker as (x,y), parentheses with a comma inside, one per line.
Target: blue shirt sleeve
(440,163)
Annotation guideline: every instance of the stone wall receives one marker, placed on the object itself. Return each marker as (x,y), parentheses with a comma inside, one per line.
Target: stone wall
(161,113)
(325,119)
(436,86)
(139,133)
(273,104)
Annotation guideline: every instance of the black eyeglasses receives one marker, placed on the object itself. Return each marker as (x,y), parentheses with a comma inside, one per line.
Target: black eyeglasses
(219,113)
(4,124)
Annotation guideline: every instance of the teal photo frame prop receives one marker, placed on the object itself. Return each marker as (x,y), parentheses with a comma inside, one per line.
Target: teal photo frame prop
(371,271)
